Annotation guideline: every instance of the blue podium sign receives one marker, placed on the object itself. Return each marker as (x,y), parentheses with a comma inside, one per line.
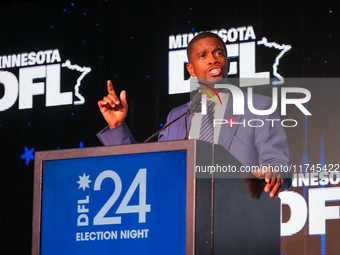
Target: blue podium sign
(121,204)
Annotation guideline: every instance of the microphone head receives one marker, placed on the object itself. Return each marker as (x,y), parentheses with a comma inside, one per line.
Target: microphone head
(195,105)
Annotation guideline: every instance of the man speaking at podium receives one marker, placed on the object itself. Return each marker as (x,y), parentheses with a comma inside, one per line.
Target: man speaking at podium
(260,146)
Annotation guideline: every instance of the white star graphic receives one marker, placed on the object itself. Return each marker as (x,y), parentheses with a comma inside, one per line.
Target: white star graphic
(84,181)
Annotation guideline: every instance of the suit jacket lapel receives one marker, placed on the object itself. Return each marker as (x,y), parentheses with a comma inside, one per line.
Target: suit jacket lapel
(228,131)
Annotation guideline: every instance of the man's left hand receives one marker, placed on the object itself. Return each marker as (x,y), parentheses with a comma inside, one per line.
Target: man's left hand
(272,179)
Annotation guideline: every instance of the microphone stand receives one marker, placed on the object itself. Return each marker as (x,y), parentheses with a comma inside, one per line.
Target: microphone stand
(195,106)
(187,112)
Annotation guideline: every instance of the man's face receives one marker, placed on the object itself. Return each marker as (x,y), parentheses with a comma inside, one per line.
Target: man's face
(208,61)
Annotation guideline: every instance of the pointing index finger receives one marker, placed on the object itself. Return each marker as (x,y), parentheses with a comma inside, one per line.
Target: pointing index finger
(110,88)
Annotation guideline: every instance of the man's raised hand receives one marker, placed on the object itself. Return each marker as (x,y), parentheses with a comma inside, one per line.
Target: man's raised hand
(114,110)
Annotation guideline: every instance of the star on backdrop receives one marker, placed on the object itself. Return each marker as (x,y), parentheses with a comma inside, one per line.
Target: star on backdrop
(28,155)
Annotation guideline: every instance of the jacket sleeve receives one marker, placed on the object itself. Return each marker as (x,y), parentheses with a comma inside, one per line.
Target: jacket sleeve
(272,146)
(116,136)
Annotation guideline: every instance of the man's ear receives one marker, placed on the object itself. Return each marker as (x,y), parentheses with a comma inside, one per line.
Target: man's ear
(190,69)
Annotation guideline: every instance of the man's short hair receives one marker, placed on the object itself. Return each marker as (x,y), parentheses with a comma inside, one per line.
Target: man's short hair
(202,36)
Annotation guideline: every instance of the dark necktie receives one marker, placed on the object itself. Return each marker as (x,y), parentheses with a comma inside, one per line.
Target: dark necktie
(207,125)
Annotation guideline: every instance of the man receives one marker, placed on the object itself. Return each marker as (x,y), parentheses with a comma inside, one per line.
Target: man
(263,146)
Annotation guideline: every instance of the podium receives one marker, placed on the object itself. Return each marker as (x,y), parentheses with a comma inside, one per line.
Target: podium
(175,197)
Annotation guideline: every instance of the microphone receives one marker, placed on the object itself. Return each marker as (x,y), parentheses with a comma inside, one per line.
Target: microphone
(195,106)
